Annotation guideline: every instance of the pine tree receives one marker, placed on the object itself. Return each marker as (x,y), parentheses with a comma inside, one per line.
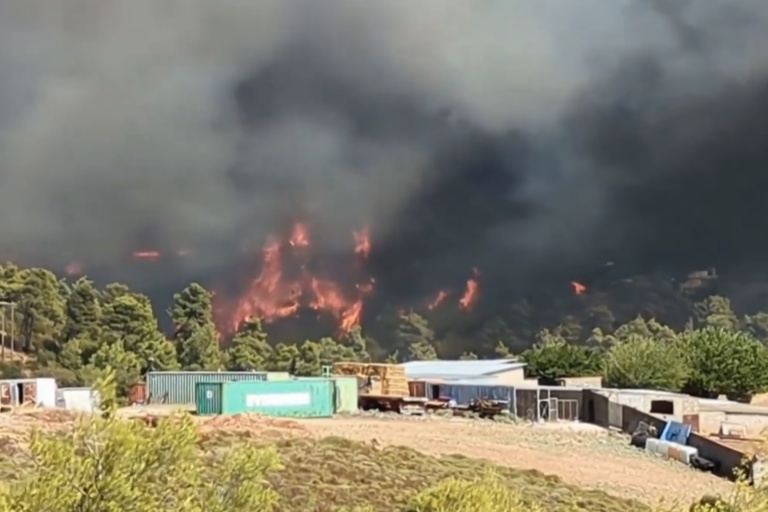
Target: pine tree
(197,342)
(250,349)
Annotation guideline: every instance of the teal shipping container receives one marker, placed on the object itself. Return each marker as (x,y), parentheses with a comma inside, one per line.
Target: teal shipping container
(289,398)
(278,376)
(347,394)
(179,387)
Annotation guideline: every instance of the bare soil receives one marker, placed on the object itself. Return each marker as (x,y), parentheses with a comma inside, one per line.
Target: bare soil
(582,455)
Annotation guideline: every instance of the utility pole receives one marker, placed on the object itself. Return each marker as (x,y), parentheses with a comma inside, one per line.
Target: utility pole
(5,305)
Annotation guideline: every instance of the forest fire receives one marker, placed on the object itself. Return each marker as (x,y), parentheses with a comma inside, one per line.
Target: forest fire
(284,286)
(280,291)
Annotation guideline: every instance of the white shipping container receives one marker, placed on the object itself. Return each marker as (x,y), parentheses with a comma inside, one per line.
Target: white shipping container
(78,399)
(40,391)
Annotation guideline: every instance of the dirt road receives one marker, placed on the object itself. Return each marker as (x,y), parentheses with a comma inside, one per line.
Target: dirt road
(583,455)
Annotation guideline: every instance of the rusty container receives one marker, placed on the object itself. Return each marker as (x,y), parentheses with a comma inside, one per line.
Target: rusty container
(417,388)
(137,393)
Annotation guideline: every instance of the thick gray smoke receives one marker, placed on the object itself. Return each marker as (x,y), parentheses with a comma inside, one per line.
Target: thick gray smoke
(505,133)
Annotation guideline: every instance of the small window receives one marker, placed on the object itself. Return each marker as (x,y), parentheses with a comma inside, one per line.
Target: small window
(662,407)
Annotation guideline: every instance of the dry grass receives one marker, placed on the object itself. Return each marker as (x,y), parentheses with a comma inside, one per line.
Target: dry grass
(327,474)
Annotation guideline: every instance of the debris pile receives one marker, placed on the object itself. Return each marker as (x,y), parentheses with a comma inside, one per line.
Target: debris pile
(239,422)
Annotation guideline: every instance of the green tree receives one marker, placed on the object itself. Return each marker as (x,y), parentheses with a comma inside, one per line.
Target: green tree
(413,328)
(502,350)
(553,358)
(197,342)
(285,358)
(83,311)
(40,309)
(645,363)
(97,469)
(359,343)
(129,318)
(313,355)
(11,370)
(250,349)
(422,351)
(112,354)
(112,291)
(716,311)
(726,362)
(468,356)
(200,350)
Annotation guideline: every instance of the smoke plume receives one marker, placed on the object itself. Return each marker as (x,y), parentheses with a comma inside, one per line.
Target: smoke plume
(519,137)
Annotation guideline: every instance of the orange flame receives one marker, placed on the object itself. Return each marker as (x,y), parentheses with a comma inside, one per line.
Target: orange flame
(441,296)
(272,295)
(146,255)
(470,294)
(578,288)
(299,236)
(362,242)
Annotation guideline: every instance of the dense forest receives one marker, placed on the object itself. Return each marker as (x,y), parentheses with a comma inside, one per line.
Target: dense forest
(72,330)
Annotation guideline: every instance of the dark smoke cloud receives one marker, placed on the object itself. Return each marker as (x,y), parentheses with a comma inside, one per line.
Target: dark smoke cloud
(520,137)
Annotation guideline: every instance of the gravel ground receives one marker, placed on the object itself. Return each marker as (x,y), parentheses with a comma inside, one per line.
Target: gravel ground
(580,454)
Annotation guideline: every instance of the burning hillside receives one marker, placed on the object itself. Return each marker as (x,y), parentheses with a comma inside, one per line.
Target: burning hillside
(286,282)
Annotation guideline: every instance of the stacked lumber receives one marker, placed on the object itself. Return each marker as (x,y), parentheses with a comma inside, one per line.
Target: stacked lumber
(377,378)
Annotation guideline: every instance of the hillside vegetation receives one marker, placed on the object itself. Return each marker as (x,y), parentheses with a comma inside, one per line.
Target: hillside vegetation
(74,330)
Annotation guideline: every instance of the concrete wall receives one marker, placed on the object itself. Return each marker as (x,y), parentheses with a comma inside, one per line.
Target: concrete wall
(596,409)
(632,417)
(582,382)
(710,421)
(643,400)
(727,458)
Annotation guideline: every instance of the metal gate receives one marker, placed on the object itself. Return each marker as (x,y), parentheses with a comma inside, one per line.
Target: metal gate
(568,410)
(553,409)
(547,409)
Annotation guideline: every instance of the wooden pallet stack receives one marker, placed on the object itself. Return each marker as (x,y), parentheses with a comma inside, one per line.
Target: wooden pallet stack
(376,378)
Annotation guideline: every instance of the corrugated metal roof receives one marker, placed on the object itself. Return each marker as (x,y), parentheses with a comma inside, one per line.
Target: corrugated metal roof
(476,382)
(458,369)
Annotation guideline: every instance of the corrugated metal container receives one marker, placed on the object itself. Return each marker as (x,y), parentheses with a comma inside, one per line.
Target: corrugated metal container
(292,398)
(347,392)
(278,376)
(208,397)
(179,387)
